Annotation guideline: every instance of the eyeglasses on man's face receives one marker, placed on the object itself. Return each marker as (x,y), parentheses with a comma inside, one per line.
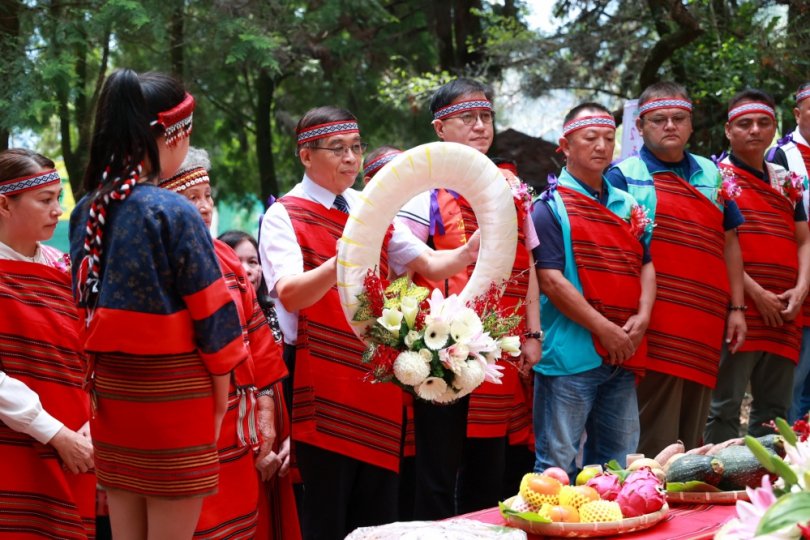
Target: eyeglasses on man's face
(470,119)
(358,149)
(659,121)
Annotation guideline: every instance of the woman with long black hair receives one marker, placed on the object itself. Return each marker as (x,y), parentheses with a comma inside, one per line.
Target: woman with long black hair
(160,328)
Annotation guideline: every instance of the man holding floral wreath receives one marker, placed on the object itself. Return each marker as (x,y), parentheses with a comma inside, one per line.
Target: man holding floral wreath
(347,432)
(467,451)
(598,287)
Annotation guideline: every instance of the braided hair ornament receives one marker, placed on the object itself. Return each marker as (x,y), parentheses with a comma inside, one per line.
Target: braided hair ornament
(89,270)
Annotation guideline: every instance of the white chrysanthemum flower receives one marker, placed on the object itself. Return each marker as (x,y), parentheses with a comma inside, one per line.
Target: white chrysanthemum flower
(410,337)
(432,388)
(426,355)
(436,335)
(470,376)
(410,368)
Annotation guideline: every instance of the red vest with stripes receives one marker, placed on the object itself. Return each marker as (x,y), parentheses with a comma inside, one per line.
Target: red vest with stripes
(689,315)
(495,409)
(39,346)
(770,257)
(335,406)
(608,259)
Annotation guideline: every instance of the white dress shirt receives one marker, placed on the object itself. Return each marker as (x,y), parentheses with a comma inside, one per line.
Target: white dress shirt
(20,408)
(281,255)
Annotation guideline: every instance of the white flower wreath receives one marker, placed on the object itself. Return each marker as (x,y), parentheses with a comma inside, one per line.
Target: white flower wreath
(430,166)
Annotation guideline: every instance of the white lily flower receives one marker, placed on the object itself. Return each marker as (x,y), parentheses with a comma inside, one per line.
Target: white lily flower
(410,309)
(391,320)
(510,345)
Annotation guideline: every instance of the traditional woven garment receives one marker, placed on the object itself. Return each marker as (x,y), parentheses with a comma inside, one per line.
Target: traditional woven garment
(608,259)
(797,154)
(495,410)
(334,406)
(234,511)
(689,315)
(164,322)
(770,257)
(278,515)
(39,345)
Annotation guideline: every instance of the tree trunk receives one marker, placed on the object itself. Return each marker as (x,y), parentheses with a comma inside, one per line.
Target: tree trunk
(441,20)
(265,87)
(10,50)
(468,31)
(177,39)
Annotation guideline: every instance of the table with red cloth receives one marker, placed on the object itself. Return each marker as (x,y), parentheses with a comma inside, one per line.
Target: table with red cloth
(683,522)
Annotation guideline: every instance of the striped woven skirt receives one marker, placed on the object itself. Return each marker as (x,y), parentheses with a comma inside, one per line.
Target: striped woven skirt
(38,499)
(153,427)
(233,512)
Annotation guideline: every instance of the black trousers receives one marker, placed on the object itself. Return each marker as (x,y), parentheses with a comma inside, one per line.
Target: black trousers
(342,493)
(454,474)
(287,384)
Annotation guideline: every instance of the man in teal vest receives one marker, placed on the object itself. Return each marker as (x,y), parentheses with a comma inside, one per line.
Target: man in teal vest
(698,265)
(598,286)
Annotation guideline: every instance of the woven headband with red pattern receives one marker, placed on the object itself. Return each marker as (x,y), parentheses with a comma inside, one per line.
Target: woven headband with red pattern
(177,122)
(26,183)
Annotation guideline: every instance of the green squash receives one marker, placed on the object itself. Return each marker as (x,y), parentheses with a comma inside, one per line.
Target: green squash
(706,469)
(741,468)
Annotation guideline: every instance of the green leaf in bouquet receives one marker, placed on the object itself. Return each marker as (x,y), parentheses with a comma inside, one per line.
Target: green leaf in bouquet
(786,431)
(528,516)
(381,335)
(368,354)
(694,486)
(788,510)
(760,452)
(784,470)
(420,293)
(436,369)
(363,313)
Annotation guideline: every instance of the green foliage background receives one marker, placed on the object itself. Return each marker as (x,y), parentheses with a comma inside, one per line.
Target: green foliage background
(255,66)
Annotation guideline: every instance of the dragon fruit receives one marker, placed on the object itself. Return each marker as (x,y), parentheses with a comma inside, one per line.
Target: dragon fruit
(642,495)
(644,474)
(607,485)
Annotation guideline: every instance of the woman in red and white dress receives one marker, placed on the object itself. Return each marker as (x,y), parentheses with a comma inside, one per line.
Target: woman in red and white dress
(46,484)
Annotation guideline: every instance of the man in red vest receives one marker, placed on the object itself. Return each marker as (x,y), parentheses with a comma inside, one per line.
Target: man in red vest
(465,450)
(347,432)
(775,246)
(793,153)
(698,269)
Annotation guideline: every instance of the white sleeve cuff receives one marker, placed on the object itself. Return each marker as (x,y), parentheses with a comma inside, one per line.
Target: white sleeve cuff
(43,427)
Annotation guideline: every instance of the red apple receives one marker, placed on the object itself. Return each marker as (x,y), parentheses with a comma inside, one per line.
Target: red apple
(558,474)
